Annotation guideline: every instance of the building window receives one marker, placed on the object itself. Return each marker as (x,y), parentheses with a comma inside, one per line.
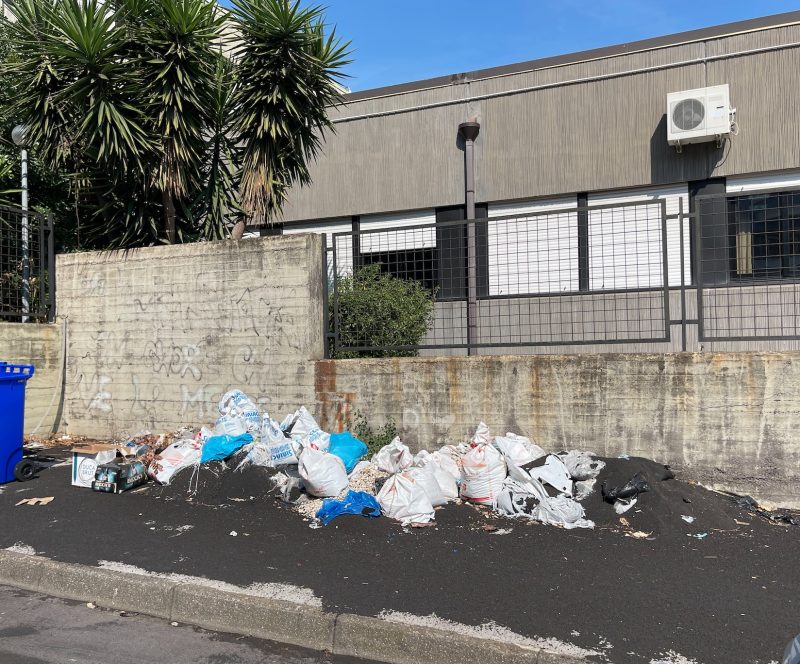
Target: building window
(765,230)
(417,264)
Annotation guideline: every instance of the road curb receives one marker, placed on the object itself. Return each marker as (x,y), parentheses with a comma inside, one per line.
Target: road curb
(276,620)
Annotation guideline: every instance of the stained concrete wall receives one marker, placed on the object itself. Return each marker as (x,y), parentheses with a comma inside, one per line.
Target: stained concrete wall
(157,335)
(41,346)
(724,419)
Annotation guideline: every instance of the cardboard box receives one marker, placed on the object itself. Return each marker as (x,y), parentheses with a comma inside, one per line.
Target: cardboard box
(85,460)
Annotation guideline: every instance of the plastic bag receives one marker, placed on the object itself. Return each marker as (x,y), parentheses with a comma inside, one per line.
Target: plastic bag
(483,471)
(355,502)
(237,404)
(425,476)
(448,463)
(445,479)
(177,456)
(303,429)
(403,499)
(582,465)
(280,448)
(636,485)
(394,457)
(482,435)
(323,474)
(529,499)
(625,497)
(348,448)
(290,485)
(554,473)
(218,448)
(518,449)
(230,425)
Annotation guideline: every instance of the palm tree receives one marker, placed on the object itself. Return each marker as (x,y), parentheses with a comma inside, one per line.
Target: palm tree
(288,77)
(165,137)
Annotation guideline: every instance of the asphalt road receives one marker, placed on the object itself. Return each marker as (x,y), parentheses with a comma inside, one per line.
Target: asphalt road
(35,629)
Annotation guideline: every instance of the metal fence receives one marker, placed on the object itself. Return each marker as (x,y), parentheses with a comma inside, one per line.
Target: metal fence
(748,266)
(582,275)
(27,271)
(728,270)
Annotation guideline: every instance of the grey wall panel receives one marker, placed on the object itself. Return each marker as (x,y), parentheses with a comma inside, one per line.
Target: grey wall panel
(400,162)
(752,40)
(601,135)
(765,89)
(617,65)
(593,136)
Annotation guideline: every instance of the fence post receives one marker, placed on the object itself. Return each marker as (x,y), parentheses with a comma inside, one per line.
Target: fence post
(698,270)
(51,270)
(683,279)
(325,284)
(41,269)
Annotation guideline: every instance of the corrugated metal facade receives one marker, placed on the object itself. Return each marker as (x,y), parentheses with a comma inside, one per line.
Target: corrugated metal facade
(599,126)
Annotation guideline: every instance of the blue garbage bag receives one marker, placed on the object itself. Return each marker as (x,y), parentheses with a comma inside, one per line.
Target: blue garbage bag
(355,502)
(218,448)
(348,448)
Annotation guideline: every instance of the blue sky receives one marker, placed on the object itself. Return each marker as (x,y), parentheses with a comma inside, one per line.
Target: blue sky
(406,40)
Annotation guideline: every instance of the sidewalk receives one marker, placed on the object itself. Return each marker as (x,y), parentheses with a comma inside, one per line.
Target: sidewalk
(730,597)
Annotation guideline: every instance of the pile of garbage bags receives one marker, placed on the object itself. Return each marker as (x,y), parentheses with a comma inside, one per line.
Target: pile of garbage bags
(514,476)
(509,474)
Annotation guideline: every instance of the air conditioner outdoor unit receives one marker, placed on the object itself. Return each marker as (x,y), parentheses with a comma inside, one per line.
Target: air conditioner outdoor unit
(697,116)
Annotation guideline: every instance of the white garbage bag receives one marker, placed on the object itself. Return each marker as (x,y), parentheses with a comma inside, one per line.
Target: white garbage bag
(323,474)
(177,456)
(483,471)
(303,429)
(554,473)
(394,457)
(281,449)
(425,475)
(237,404)
(447,486)
(582,465)
(529,499)
(230,425)
(482,435)
(518,450)
(404,499)
(448,463)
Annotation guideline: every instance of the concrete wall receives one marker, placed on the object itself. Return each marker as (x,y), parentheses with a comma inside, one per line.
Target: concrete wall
(591,125)
(725,419)
(41,346)
(157,335)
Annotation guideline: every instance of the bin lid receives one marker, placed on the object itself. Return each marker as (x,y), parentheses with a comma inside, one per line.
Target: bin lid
(15,372)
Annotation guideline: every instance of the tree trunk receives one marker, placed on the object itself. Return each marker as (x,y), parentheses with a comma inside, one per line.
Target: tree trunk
(169,216)
(238,230)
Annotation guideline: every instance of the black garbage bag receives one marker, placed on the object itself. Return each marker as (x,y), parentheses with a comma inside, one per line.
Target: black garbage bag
(636,485)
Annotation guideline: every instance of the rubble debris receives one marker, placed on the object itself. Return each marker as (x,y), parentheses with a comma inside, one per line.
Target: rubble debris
(36,501)
(250,456)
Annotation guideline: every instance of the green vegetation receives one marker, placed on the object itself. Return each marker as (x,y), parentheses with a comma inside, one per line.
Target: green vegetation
(374,439)
(169,120)
(380,311)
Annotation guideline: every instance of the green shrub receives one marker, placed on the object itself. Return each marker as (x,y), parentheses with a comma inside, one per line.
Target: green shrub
(382,311)
(376,439)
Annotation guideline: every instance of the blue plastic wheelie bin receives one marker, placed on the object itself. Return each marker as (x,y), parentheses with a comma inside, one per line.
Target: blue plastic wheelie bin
(13,378)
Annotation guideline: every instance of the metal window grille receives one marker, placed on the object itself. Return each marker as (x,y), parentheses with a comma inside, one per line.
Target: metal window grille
(748,266)
(27,274)
(586,275)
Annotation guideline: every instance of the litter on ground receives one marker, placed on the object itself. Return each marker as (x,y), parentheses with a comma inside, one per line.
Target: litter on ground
(323,475)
